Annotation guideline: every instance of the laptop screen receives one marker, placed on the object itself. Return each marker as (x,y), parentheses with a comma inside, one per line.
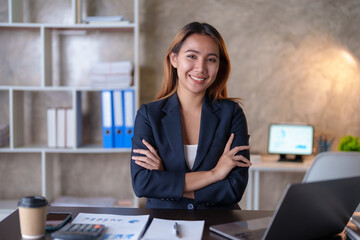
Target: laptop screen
(294,139)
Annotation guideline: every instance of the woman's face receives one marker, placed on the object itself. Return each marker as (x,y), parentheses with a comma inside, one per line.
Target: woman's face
(197,63)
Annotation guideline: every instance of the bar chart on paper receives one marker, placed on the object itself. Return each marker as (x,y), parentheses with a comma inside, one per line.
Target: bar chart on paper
(117,226)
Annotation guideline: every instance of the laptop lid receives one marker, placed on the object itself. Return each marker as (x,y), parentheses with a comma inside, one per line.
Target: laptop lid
(306,211)
(314,210)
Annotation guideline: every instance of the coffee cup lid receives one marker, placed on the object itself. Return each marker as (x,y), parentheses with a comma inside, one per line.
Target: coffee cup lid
(33,201)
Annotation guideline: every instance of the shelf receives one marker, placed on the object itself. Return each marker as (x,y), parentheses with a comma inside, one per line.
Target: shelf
(81,26)
(20,174)
(56,88)
(99,27)
(47,62)
(29,26)
(20,150)
(70,54)
(26,130)
(92,149)
(14,68)
(80,150)
(89,174)
(5,149)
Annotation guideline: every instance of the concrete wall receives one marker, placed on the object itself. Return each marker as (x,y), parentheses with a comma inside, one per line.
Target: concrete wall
(292,61)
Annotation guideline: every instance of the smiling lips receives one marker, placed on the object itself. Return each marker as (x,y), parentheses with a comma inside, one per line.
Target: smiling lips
(197,79)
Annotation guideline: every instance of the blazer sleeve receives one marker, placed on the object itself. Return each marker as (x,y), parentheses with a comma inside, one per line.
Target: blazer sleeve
(231,189)
(167,185)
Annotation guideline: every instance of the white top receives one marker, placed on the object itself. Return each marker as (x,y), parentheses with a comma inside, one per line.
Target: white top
(190,154)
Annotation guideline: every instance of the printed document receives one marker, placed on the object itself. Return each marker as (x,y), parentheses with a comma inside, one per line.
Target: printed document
(117,226)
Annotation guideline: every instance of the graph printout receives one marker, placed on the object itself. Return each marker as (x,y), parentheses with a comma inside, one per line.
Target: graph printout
(118,227)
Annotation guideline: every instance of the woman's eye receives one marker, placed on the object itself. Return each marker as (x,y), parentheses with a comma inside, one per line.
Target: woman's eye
(212,60)
(191,56)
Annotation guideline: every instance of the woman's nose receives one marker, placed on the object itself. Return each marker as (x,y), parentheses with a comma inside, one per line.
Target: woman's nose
(201,65)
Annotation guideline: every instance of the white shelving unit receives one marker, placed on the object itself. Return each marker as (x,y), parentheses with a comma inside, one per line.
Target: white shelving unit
(18,93)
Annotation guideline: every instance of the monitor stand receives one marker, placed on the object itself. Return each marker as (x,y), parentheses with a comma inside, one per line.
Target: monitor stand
(284,158)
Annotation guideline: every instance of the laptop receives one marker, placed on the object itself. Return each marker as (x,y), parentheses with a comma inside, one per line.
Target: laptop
(306,211)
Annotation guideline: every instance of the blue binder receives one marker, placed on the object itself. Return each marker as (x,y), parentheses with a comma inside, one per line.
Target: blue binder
(129,116)
(118,118)
(107,118)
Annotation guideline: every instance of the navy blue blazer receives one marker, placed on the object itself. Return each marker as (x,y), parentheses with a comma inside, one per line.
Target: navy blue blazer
(159,123)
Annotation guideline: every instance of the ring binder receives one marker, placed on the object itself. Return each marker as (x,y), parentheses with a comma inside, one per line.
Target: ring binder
(118,118)
(107,119)
(129,118)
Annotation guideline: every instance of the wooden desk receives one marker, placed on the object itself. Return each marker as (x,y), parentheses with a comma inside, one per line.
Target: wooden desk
(268,163)
(10,228)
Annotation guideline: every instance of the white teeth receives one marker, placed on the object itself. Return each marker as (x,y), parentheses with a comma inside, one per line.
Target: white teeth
(197,79)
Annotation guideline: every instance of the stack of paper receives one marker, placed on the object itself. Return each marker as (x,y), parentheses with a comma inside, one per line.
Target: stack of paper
(4,135)
(112,74)
(103,19)
(117,226)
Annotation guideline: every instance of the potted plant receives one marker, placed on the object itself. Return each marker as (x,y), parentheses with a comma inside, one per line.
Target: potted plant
(349,143)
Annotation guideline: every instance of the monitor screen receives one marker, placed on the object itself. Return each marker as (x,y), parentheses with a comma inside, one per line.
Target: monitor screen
(294,139)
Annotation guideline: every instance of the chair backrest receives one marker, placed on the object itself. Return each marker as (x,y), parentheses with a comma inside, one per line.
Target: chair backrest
(333,165)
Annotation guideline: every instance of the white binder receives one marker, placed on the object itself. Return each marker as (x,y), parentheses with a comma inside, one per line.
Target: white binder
(70,128)
(60,115)
(51,127)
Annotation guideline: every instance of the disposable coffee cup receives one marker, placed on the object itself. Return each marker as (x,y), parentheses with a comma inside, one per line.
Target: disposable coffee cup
(32,216)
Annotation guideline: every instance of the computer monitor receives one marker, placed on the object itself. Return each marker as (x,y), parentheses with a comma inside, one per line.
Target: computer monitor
(290,139)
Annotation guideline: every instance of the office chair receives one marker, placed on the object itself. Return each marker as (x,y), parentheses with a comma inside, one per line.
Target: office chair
(334,165)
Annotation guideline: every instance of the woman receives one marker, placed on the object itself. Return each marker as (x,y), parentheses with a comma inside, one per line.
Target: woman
(190,147)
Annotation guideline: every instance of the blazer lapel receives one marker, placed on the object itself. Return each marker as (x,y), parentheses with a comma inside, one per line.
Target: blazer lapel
(172,125)
(208,126)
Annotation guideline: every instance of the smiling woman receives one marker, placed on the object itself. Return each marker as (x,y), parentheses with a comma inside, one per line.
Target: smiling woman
(190,147)
(197,64)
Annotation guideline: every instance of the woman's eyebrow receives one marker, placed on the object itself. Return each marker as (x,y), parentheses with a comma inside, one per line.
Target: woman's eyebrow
(195,51)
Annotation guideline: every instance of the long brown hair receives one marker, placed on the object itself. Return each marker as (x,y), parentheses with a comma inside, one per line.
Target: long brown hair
(217,90)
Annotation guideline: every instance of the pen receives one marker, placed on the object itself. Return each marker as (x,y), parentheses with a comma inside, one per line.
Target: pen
(176,230)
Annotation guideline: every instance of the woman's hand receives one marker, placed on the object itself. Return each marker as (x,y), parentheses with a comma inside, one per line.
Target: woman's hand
(150,160)
(229,159)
